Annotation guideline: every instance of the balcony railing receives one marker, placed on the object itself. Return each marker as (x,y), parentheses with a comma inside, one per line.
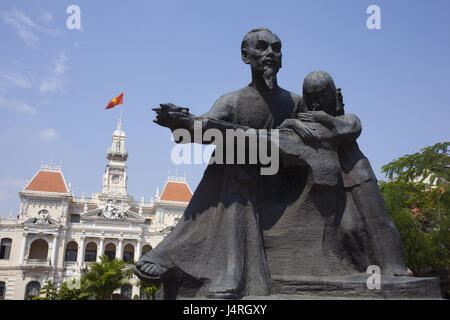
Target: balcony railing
(38,262)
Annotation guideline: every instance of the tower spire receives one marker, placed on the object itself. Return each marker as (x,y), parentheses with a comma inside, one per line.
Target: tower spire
(115,177)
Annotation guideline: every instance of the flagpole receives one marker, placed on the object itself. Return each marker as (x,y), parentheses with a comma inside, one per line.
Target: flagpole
(121,115)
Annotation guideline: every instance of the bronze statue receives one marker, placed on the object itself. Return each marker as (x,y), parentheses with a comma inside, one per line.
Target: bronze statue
(321,216)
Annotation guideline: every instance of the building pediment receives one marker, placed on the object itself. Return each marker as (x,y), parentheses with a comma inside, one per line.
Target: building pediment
(35,222)
(100,214)
(42,219)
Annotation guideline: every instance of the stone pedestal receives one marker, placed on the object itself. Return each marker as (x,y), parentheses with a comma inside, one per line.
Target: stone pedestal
(355,286)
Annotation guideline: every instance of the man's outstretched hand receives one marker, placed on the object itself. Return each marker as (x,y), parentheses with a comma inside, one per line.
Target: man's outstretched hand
(171,116)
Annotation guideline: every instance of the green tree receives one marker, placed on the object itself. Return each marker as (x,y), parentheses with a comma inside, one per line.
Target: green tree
(416,197)
(47,291)
(70,291)
(101,279)
(148,289)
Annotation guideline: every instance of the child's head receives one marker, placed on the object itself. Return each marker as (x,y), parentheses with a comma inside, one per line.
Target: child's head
(320,94)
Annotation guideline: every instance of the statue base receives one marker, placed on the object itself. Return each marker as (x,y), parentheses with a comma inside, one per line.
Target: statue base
(355,286)
(343,287)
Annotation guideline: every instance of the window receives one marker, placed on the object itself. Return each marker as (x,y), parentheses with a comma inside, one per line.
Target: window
(127,256)
(75,218)
(39,249)
(148,221)
(128,253)
(110,251)
(146,248)
(90,254)
(71,251)
(5,248)
(32,290)
(2,290)
(126,290)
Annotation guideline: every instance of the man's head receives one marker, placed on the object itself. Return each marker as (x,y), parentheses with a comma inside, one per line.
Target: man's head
(320,94)
(261,49)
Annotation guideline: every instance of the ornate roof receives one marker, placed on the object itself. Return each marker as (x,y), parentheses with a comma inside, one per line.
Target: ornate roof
(48,180)
(176,191)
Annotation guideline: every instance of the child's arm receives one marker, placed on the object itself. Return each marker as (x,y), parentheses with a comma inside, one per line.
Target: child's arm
(346,128)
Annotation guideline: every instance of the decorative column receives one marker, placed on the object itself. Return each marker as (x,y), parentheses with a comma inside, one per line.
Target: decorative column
(101,249)
(120,249)
(137,253)
(22,250)
(81,253)
(53,258)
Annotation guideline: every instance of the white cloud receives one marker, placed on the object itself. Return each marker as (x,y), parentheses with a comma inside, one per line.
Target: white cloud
(23,25)
(16,80)
(48,134)
(52,84)
(17,105)
(25,108)
(61,64)
(56,82)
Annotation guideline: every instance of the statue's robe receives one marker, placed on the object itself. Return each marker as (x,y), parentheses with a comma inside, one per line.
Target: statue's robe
(367,231)
(302,238)
(336,222)
(217,245)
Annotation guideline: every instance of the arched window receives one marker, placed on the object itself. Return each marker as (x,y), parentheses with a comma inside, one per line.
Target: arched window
(146,248)
(5,248)
(126,290)
(90,254)
(71,251)
(32,290)
(38,249)
(2,290)
(110,251)
(128,253)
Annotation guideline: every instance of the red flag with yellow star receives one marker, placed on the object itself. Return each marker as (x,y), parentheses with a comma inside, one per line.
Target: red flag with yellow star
(114,102)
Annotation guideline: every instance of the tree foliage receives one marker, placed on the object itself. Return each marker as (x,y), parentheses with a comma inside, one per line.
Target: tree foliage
(148,289)
(47,292)
(416,197)
(104,277)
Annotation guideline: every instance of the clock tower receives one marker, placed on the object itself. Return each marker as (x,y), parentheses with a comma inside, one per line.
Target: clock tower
(115,177)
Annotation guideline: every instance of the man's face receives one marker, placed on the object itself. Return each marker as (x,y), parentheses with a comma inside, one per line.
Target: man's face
(263,51)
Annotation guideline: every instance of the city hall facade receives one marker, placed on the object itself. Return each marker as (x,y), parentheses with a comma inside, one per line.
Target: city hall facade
(56,234)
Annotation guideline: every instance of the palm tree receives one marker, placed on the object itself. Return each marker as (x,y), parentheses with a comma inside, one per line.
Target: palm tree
(148,289)
(104,277)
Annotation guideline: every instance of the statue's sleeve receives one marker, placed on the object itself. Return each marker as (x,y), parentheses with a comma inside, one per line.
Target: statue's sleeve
(347,128)
(291,149)
(221,116)
(224,108)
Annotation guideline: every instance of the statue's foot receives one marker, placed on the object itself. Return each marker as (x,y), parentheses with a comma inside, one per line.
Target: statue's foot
(150,272)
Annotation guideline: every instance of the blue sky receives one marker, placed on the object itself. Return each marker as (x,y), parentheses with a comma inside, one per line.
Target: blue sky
(55,82)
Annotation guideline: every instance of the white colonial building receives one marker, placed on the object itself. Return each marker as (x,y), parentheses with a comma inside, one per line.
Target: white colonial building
(56,233)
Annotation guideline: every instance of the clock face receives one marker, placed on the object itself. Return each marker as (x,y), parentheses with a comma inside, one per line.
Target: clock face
(115,178)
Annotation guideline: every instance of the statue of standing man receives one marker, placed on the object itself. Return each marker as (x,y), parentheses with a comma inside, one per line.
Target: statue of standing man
(216,249)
